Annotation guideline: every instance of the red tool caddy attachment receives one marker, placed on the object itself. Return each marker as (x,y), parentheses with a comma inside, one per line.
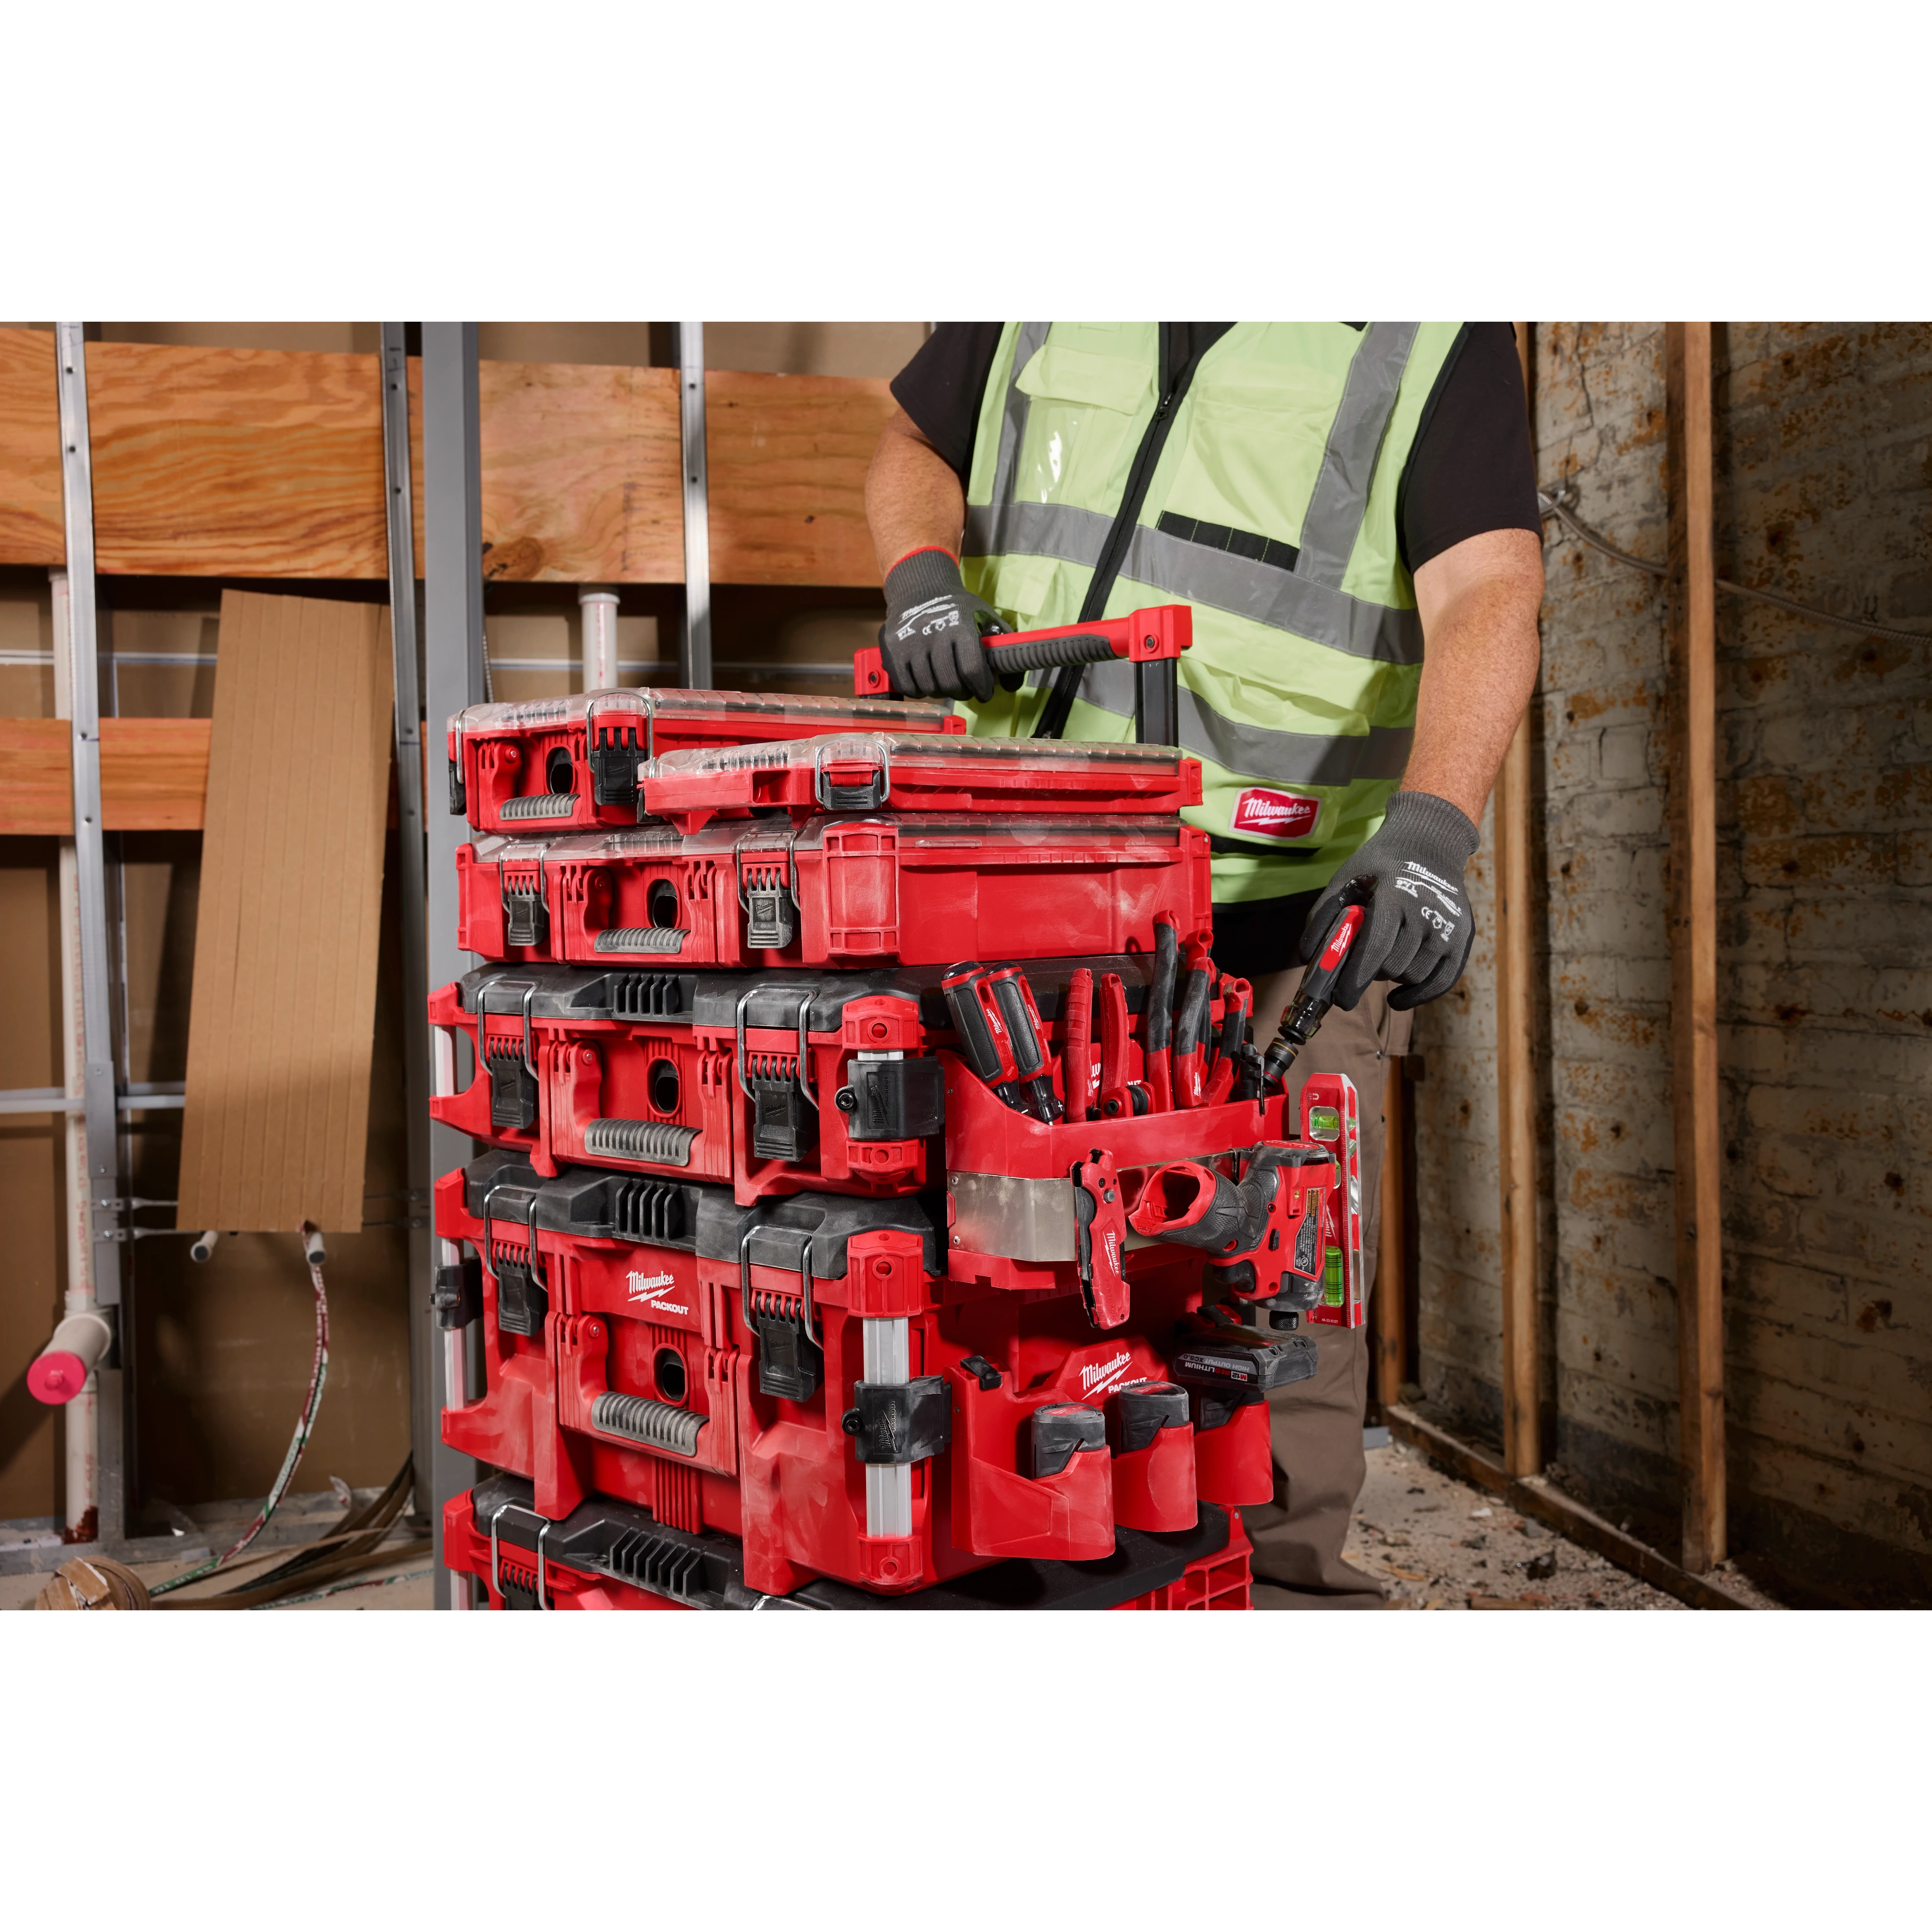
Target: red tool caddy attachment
(1157,634)
(892,886)
(766,1084)
(875,771)
(574,762)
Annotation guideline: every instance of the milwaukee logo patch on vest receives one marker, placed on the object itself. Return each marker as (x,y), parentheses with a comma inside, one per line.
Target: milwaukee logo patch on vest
(1261,813)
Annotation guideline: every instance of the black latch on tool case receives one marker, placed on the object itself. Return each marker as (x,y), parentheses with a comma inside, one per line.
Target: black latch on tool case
(769,897)
(899,1422)
(456,1293)
(513,1072)
(614,755)
(791,1364)
(526,913)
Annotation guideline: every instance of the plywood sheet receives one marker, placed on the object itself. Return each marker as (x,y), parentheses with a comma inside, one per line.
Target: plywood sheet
(788,456)
(281,1027)
(265,463)
(580,473)
(236,462)
(154,775)
(32,521)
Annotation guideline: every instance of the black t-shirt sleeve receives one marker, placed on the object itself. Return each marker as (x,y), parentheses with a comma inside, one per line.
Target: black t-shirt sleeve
(940,388)
(1472,469)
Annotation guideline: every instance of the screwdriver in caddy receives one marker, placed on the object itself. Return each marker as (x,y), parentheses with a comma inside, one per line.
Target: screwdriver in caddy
(1000,1035)
(1313,999)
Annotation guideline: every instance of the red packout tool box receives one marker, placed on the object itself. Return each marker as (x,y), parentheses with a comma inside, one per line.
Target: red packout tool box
(607,1556)
(768,1084)
(845,892)
(721,1375)
(562,763)
(878,771)
(765,1084)
(843,1388)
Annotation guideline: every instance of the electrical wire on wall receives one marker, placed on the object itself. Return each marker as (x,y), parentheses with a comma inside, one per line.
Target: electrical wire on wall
(1556,503)
(312,1253)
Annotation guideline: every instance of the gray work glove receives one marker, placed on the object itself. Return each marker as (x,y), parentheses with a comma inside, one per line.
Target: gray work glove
(1419,927)
(930,639)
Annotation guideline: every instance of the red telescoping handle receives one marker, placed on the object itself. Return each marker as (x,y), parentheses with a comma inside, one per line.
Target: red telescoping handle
(1142,636)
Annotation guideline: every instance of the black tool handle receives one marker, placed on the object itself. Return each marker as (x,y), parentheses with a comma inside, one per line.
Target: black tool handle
(1046,653)
(1157,1017)
(969,1021)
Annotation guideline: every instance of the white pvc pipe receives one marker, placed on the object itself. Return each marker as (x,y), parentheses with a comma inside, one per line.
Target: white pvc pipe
(82,1427)
(599,654)
(63,1372)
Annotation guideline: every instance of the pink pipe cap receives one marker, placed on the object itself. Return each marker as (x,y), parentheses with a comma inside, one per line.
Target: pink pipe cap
(56,1377)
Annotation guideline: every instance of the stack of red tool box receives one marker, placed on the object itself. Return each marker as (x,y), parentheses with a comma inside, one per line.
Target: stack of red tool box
(881,1205)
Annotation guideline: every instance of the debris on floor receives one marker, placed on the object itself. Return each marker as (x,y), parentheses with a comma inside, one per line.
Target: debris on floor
(1439,1543)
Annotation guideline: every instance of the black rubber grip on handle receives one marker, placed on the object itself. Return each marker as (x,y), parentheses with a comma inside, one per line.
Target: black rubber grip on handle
(1159,1011)
(976,1038)
(1029,1052)
(1190,1025)
(1046,653)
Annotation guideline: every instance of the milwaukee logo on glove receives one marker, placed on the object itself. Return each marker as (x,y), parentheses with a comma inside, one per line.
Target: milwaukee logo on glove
(1275,815)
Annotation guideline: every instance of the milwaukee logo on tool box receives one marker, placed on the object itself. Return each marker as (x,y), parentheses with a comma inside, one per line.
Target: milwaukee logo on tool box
(1263,814)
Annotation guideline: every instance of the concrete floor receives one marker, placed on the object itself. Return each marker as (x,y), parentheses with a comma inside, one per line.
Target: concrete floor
(1439,1543)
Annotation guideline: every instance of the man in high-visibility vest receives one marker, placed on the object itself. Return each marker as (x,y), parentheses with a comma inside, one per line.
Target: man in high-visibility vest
(1350,509)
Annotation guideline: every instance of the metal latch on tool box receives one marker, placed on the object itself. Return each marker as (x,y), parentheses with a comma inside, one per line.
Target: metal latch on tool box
(769,893)
(778,1086)
(522,1295)
(790,1363)
(614,767)
(525,908)
(513,1071)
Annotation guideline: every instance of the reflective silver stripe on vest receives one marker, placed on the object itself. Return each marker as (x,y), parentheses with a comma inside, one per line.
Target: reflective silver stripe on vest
(1265,594)
(996,517)
(1252,750)
(1333,519)
(1302,604)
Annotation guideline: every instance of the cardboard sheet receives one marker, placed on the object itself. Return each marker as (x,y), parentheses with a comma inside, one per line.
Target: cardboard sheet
(283,1018)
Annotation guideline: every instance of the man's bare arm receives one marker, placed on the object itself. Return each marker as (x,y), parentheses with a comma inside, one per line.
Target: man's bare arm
(1478,601)
(913,499)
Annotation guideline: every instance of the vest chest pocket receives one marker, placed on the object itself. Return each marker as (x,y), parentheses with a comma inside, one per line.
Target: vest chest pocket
(1256,433)
(1082,410)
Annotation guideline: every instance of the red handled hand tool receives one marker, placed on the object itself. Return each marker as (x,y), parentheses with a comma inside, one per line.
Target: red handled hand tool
(1116,1102)
(1237,998)
(985,1043)
(1316,994)
(1014,999)
(1076,1050)
(1157,1017)
(1143,637)
(1100,1239)
(1189,1066)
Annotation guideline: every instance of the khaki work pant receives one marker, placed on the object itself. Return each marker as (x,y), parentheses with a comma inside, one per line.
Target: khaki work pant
(1317,1425)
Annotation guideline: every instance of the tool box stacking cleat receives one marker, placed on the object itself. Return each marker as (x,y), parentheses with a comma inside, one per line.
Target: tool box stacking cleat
(884,1202)
(842,892)
(572,762)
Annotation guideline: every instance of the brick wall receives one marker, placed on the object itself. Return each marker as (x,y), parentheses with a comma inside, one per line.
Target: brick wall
(1824,492)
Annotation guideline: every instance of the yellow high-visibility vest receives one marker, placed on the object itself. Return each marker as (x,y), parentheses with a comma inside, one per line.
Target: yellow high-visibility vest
(1271,508)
